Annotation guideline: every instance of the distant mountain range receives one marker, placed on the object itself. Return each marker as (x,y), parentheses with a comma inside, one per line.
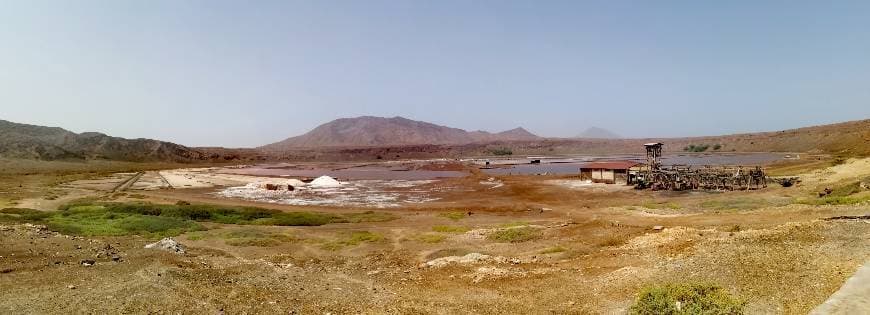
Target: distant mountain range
(22,141)
(367,138)
(380,131)
(598,133)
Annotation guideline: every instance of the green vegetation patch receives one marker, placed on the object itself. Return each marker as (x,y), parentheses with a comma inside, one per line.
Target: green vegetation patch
(698,148)
(743,203)
(233,214)
(514,224)
(836,201)
(661,205)
(553,250)
(846,190)
(19,215)
(686,298)
(450,229)
(92,221)
(515,235)
(213,213)
(93,218)
(253,237)
(501,151)
(353,239)
(452,215)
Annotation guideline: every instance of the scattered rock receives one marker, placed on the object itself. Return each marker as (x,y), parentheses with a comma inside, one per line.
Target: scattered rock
(71,287)
(471,258)
(849,217)
(88,262)
(658,228)
(167,244)
(116,258)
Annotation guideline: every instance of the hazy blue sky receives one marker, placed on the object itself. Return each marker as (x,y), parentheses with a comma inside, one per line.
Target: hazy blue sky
(247,73)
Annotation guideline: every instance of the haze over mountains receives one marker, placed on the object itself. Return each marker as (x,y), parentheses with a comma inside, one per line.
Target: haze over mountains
(598,133)
(381,131)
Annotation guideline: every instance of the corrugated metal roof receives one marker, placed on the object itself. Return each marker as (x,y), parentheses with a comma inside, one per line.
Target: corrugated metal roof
(610,165)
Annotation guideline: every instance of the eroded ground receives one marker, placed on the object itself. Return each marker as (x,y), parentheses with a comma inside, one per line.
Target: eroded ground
(479,244)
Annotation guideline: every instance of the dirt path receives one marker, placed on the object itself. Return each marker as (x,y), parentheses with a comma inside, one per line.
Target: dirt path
(852,298)
(129,182)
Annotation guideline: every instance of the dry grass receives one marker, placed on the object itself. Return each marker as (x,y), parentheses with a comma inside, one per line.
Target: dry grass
(430,238)
(450,229)
(515,235)
(686,298)
(452,215)
(352,239)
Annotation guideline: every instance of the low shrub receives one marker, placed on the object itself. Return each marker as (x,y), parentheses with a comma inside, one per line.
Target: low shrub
(553,250)
(22,215)
(99,222)
(846,190)
(662,205)
(353,239)
(515,235)
(92,217)
(686,298)
(253,237)
(450,229)
(697,148)
(501,151)
(614,240)
(452,215)
(514,224)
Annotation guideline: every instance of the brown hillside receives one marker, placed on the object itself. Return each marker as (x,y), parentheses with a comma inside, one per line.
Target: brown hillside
(395,131)
(22,141)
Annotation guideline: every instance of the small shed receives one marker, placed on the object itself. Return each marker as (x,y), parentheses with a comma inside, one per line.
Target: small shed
(609,172)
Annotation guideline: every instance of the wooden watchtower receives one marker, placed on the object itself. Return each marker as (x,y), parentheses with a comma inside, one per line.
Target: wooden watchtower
(653,155)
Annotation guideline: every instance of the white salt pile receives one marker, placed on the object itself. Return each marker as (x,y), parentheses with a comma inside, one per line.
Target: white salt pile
(325,181)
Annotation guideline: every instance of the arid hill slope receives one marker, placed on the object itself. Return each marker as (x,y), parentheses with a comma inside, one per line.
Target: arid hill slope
(22,141)
(846,139)
(379,131)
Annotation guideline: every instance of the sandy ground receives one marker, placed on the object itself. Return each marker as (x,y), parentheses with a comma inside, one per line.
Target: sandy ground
(595,249)
(204,177)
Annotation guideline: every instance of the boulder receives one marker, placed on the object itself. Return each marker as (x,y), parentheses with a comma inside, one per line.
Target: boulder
(167,244)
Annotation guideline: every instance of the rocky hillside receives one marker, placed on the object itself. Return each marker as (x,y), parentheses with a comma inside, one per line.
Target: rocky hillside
(379,131)
(22,141)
